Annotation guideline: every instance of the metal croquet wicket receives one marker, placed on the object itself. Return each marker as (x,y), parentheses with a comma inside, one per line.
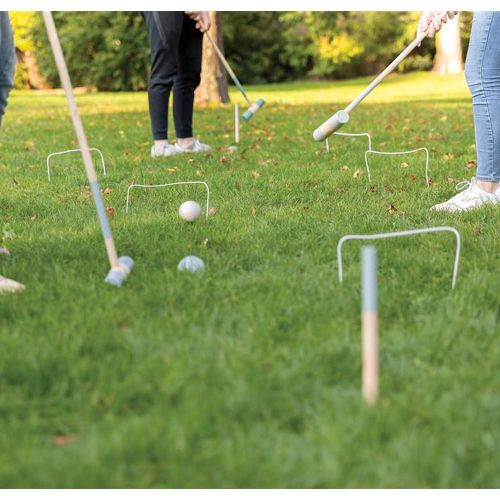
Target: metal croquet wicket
(152,186)
(402,233)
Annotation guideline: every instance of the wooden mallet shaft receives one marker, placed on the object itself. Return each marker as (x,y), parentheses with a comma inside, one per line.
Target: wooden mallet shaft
(81,137)
(228,68)
(341,117)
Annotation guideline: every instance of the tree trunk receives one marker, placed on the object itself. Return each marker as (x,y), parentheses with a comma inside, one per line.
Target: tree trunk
(35,80)
(448,58)
(213,85)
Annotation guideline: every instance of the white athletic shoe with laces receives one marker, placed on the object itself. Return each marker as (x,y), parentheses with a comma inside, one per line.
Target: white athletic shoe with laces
(473,197)
(163,150)
(194,147)
(7,285)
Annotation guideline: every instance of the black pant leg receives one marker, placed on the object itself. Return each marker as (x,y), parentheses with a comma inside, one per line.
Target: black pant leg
(164,32)
(188,77)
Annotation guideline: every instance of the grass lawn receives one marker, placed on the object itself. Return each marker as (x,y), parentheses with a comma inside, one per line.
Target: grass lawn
(248,375)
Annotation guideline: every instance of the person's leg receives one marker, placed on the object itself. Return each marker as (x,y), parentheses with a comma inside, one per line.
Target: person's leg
(164,31)
(7,68)
(482,71)
(188,78)
(186,82)
(7,61)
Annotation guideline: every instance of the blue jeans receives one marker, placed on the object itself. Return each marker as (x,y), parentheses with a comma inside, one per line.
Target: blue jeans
(7,61)
(482,71)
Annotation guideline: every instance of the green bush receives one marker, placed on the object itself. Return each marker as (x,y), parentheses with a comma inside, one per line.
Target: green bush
(107,49)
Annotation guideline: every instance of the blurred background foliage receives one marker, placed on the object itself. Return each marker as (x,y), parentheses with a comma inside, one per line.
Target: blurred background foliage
(109,50)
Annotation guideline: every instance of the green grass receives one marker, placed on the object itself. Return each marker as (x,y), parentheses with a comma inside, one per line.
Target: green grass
(248,375)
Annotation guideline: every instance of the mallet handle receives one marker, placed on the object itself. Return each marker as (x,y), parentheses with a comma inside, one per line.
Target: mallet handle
(82,138)
(386,72)
(228,68)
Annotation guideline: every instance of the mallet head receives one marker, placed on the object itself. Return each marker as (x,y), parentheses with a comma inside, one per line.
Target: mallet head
(331,125)
(118,275)
(247,115)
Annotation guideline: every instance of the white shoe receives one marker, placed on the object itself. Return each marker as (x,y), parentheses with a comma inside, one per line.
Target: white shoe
(194,147)
(473,197)
(163,150)
(7,285)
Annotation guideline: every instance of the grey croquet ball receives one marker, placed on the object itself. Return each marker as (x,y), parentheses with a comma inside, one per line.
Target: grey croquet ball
(191,263)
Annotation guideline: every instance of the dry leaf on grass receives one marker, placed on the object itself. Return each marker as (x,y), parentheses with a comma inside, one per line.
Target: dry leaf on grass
(255,174)
(111,211)
(212,211)
(29,146)
(404,165)
(107,191)
(357,174)
(448,157)
(65,440)
(344,168)
(471,165)
(224,159)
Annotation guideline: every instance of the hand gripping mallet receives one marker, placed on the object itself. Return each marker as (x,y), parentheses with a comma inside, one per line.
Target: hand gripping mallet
(342,117)
(120,267)
(253,107)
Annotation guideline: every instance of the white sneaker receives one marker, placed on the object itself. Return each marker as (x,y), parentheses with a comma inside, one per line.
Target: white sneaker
(7,285)
(163,150)
(473,197)
(194,147)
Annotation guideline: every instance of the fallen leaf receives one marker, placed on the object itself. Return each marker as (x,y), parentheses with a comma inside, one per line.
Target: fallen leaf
(391,209)
(200,173)
(471,165)
(191,161)
(452,180)
(111,211)
(404,165)
(448,157)
(224,159)
(33,217)
(357,174)
(29,146)
(255,174)
(107,191)
(345,168)
(173,169)
(373,189)
(413,177)
(65,440)
(212,211)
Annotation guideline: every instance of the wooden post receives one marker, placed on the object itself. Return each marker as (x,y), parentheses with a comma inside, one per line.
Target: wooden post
(369,318)
(236,124)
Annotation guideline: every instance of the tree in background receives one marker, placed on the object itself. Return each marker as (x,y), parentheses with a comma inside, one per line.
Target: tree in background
(27,73)
(213,85)
(110,50)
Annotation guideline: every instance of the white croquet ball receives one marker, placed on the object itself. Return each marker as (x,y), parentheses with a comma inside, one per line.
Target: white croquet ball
(191,263)
(189,211)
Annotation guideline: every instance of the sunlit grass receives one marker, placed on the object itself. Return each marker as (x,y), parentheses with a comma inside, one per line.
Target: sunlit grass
(248,375)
